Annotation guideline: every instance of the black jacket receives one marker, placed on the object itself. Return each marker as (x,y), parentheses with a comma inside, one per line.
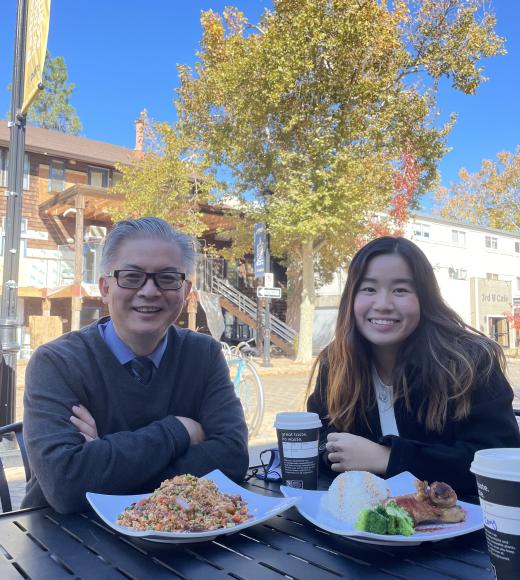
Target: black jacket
(433,456)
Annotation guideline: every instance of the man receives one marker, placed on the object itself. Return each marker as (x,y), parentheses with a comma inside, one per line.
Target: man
(130,400)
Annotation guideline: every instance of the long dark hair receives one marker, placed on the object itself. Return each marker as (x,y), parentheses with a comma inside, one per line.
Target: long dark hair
(443,355)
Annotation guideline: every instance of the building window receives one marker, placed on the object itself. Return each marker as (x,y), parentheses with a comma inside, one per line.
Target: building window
(457,273)
(517,247)
(491,276)
(116,178)
(491,242)
(98,176)
(4,164)
(458,237)
(23,241)
(422,230)
(57,176)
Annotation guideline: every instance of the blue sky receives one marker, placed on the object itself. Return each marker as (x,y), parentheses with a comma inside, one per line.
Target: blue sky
(122,56)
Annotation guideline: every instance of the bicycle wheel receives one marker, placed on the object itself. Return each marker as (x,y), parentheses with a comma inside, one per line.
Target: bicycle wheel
(249,388)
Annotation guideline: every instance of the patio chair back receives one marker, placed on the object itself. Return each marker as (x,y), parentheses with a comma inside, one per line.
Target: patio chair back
(8,431)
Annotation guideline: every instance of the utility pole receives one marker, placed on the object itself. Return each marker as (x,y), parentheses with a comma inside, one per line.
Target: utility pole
(8,313)
(266,362)
(267,303)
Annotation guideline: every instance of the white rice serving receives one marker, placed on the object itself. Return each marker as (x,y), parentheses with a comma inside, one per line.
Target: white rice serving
(353,491)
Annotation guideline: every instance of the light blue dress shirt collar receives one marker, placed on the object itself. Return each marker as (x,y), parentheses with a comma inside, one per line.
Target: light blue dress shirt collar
(122,351)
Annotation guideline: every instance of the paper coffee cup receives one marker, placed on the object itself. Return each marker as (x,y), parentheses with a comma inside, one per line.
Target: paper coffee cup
(298,436)
(498,483)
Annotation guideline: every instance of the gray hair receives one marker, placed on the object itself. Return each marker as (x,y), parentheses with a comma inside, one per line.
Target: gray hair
(150,228)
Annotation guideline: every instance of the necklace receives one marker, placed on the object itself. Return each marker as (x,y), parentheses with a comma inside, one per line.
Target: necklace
(382,391)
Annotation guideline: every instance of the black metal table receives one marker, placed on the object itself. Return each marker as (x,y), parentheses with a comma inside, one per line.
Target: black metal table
(40,544)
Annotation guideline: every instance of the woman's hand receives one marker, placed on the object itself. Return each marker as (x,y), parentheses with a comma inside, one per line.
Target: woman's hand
(349,452)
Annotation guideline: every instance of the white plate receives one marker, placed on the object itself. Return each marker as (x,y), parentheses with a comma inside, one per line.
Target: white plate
(108,508)
(309,505)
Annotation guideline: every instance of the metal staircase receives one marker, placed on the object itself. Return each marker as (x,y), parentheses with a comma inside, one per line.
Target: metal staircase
(244,308)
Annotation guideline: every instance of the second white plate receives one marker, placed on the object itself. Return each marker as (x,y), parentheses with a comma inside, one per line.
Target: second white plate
(309,505)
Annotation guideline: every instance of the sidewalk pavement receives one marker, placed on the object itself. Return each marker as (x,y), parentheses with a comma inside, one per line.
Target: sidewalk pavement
(281,365)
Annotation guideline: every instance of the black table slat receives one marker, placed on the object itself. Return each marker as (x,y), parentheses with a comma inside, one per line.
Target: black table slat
(7,570)
(279,556)
(317,558)
(244,568)
(83,562)
(255,549)
(450,567)
(475,555)
(110,547)
(169,559)
(180,558)
(34,560)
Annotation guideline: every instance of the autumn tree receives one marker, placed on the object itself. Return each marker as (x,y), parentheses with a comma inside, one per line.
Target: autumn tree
(52,109)
(166,180)
(490,197)
(394,220)
(318,103)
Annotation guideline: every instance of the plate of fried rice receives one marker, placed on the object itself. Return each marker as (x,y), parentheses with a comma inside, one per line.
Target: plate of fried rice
(187,509)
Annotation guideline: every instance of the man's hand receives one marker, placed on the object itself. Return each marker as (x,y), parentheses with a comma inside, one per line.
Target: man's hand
(349,452)
(195,430)
(84,422)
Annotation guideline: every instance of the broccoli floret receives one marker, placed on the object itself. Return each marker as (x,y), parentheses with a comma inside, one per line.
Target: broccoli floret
(373,521)
(400,521)
(391,519)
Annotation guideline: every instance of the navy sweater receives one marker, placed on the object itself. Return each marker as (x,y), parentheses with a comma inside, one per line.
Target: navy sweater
(141,442)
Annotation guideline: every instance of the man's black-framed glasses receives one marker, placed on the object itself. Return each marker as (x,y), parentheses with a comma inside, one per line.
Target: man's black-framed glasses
(135,279)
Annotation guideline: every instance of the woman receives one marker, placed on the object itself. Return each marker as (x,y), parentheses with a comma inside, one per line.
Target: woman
(406,385)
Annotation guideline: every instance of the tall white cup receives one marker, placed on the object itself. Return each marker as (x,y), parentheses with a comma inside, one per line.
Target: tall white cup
(498,483)
(298,436)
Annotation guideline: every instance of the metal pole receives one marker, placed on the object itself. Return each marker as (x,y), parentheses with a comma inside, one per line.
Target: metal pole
(8,313)
(78,262)
(267,304)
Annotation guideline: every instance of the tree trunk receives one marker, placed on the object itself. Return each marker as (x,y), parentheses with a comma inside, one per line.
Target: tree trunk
(294,291)
(307,304)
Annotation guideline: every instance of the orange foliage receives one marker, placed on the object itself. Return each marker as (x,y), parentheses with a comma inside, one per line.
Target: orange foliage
(406,180)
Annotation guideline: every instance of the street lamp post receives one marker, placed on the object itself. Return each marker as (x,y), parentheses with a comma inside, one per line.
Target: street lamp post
(267,304)
(266,362)
(8,309)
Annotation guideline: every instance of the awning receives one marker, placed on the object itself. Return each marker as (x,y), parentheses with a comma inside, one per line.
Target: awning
(85,290)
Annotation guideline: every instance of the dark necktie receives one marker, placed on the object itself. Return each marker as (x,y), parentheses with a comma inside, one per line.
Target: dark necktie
(141,367)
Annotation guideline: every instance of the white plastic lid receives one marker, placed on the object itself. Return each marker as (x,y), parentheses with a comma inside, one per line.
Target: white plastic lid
(501,463)
(294,421)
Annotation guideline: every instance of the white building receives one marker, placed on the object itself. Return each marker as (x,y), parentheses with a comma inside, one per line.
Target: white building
(477,268)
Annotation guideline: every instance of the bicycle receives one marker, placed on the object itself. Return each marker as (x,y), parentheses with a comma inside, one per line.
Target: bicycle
(247,383)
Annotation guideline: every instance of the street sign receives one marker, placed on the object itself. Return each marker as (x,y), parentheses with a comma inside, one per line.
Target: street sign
(269,280)
(263,292)
(259,244)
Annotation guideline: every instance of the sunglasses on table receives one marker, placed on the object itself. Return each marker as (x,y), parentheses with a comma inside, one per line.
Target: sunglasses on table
(135,279)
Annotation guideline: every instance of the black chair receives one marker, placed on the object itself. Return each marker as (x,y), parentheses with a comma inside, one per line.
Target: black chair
(8,431)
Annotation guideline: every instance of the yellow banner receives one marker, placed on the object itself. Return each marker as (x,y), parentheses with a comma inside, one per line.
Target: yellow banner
(38,16)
